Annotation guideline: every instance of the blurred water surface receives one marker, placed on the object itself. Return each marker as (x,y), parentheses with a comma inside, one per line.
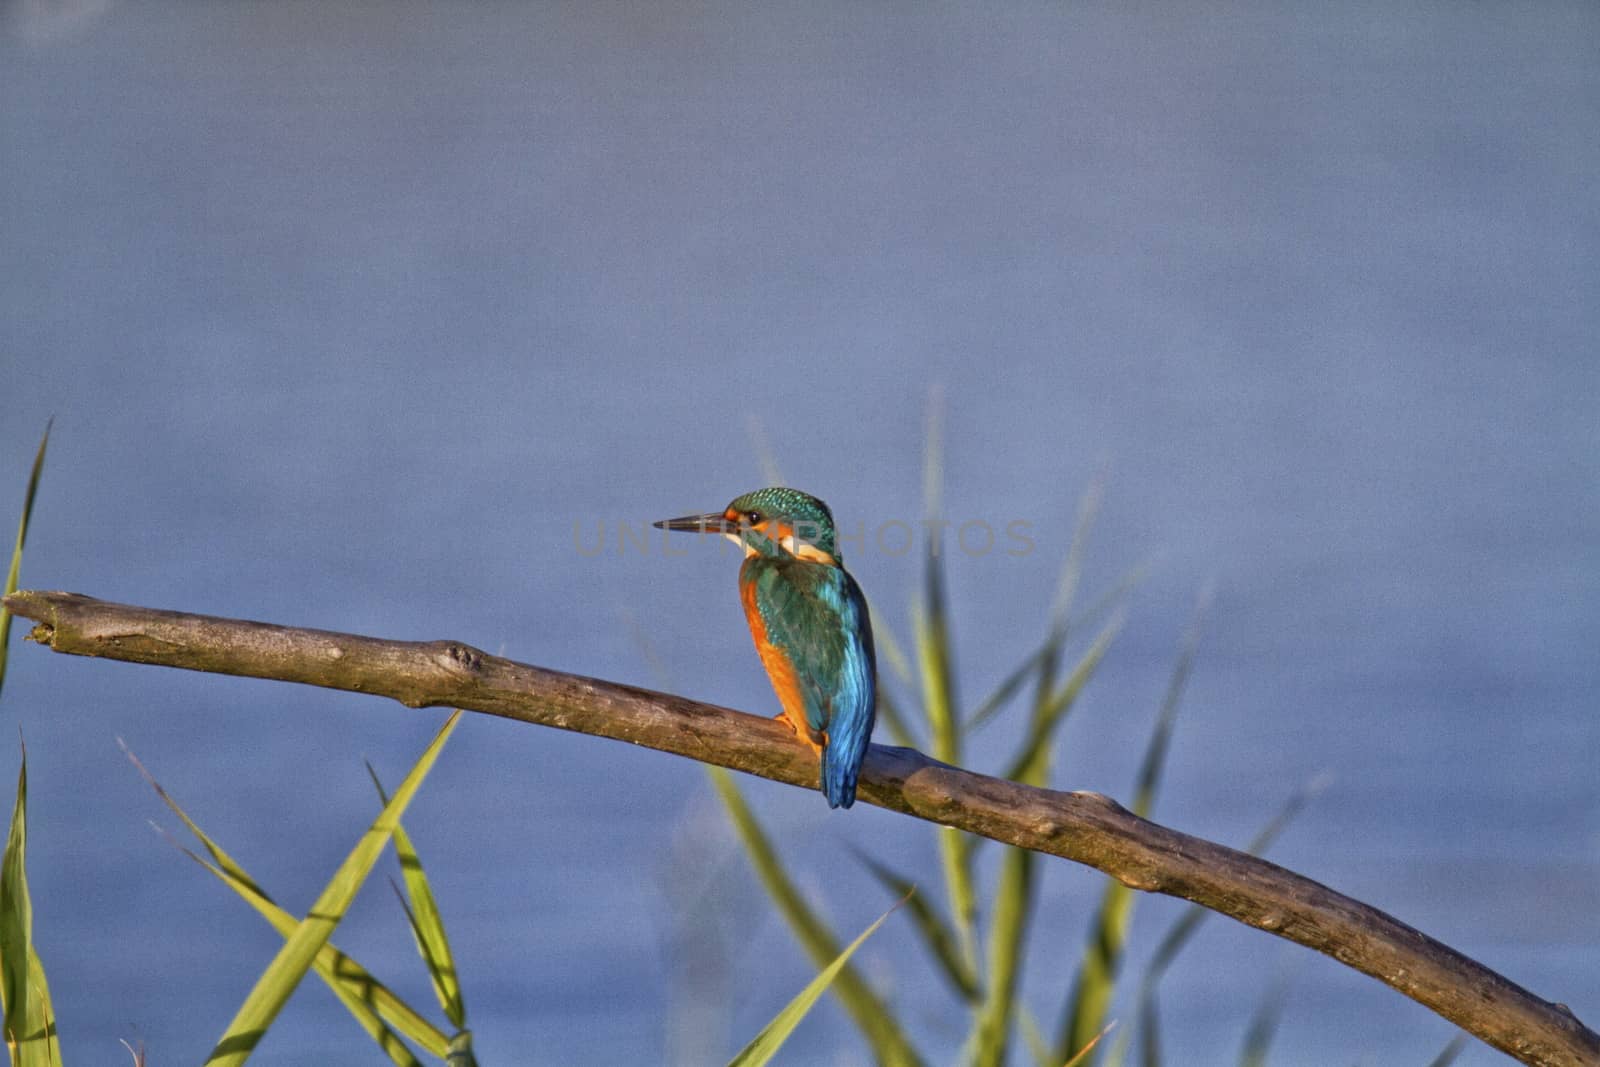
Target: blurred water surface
(357,315)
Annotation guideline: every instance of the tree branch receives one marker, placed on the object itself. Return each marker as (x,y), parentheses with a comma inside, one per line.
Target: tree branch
(1084,827)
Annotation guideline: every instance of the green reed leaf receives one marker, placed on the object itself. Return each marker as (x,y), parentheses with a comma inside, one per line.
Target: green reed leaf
(374,1007)
(772,1036)
(30,1024)
(870,1014)
(273,989)
(427,925)
(936,934)
(16,552)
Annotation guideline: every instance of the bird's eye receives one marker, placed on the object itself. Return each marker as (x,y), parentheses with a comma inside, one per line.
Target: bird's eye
(753,518)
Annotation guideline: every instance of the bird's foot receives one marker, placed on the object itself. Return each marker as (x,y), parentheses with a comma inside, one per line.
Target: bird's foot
(804,735)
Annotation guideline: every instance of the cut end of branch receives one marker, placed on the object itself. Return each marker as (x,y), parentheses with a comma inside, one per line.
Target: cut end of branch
(28,603)
(41,608)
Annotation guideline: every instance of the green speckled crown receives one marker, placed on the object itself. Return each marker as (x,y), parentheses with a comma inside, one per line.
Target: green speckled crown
(809,516)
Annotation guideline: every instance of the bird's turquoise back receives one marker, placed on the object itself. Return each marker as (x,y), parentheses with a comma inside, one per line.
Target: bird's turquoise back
(815,617)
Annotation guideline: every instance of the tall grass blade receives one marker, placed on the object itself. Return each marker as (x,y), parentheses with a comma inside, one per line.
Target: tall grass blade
(1042,663)
(221,858)
(427,925)
(1072,568)
(1448,1054)
(461,1041)
(461,1051)
(1011,685)
(935,664)
(1013,897)
(955,847)
(1155,756)
(16,553)
(1096,980)
(933,456)
(1112,598)
(1035,665)
(29,1017)
(30,1022)
(894,720)
(936,934)
(1013,894)
(374,1007)
(376,1010)
(1046,661)
(1149,1032)
(870,1014)
(1013,904)
(1264,1024)
(889,648)
(772,1036)
(273,989)
(933,617)
(1032,761)
(1102,959)
(1033,1036)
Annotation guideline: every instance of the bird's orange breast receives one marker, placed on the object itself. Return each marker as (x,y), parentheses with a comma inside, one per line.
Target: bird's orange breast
(785,682)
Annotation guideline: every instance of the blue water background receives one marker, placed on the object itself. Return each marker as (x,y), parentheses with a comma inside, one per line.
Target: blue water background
(350,313)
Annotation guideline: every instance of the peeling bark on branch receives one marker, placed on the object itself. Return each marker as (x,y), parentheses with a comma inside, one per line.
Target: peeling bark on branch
(1084,827)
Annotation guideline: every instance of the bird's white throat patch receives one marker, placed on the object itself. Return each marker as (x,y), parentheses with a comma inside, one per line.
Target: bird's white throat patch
(792,545)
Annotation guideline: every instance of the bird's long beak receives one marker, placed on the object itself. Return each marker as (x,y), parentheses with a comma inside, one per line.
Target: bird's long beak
(714,523)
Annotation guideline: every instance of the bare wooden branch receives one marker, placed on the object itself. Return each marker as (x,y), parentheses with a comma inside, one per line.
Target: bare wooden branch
(1084,827)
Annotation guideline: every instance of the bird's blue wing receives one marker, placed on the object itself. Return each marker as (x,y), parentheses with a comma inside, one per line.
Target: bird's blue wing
(817,616)
(855,706)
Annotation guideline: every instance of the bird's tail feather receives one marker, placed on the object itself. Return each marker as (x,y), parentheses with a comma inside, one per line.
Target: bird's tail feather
(841,764)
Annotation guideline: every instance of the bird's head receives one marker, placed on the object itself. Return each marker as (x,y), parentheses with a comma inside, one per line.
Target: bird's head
(792,521)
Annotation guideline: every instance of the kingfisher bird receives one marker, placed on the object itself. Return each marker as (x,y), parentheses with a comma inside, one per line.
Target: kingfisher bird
(810,624)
